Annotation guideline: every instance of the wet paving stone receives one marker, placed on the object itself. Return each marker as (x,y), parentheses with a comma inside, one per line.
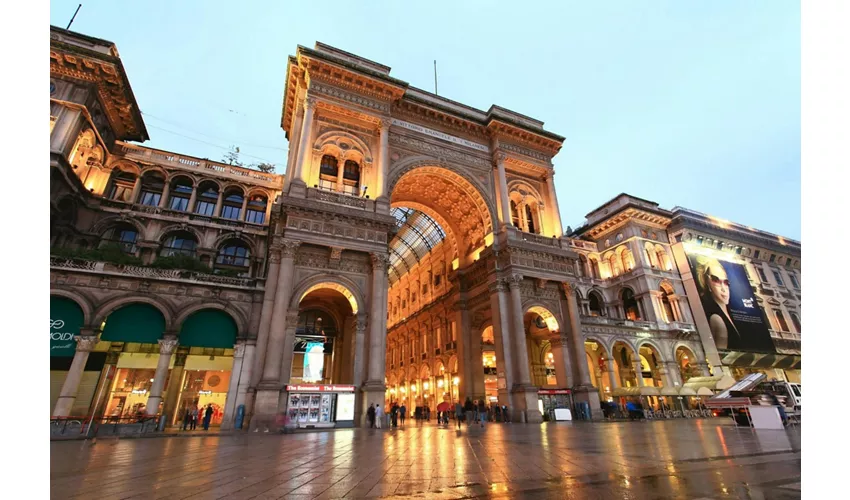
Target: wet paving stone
(697,459)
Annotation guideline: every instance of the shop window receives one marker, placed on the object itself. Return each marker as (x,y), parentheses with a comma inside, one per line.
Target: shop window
(232,206)
(180,243)
(123,235)
(122,186)
(234,254)
(130,393)
(256,212)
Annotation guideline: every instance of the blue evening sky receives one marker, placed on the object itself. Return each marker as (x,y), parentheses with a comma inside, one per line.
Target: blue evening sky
(690,103)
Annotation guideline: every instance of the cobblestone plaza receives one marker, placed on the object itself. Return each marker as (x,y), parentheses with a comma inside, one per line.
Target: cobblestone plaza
(661,459)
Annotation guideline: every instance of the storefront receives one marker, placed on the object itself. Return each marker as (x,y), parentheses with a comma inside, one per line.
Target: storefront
(549,400)
(205,383)
(491,389)
(320,406)
(66,319)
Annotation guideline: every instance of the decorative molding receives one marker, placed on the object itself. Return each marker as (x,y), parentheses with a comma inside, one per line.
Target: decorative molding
(348,97)
(290,248)
(167,345)
(86,343)
(439,152)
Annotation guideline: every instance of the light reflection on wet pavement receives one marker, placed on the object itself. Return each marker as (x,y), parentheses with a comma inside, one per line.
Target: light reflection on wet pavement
(628,460)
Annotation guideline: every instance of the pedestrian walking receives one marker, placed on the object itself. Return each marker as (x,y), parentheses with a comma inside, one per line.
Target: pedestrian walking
(506,416)
(187,417)
(428,413)
(468,409)
(482,411)
(208,417)
(379,416)
(370,416)
(402,413)
(458,413)
(194,418)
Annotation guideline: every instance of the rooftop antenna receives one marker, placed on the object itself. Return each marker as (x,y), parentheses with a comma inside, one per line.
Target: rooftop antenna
(435,78)
(73,17)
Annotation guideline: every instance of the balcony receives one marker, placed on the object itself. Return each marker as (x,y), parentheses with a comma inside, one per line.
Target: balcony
(90,266)
(166,158)
(343,199)
(603,320)
(785,335)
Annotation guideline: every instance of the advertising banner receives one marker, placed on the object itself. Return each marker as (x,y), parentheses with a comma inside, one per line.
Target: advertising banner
(737,322)
(66,318)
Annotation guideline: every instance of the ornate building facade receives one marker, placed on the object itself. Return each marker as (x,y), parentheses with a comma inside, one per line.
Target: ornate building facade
(413,251)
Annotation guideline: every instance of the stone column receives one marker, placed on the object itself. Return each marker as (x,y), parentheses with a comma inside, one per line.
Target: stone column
(374,388)
(359,353)
(192,198)
(383,167)
(244,379)
(503,188)
(268,306)
(583,391)
(288,347)
(68,395)
(563,365)
(555,215)
(166,348)
(465,351)
(501,339)
(277,328)
(218,203)
(639,373)
(107,375)
(236,373)
(339,171)
(612,375)
(137,188)
(674,304)
(523,391)
(244,208)
(163,201)
(173,390)
(304,147)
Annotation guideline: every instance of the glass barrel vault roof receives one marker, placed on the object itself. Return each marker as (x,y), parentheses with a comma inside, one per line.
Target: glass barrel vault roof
(417,235)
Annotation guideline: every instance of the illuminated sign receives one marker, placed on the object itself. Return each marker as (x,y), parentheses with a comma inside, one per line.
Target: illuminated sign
(345,407)
(139,391)
(205,392)
(320,388)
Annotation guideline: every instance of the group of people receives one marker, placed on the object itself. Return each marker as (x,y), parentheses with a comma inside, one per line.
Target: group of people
(471,412)
(190,417)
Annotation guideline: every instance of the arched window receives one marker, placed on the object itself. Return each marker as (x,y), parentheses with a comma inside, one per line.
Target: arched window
(207,199)
(668,307)
(595,304)
(234,254)
(796,320)
(179,243)
(515,215)
(122,186)
(315,323)
(529,217)
(328,172)
(628,260)
(351,178)
(181,192)
(780,319)
(661,255)
(594,268)
(256,212)
(124,235)
(630,305)
(487,336)
(152,186)
(614,263)
(232,206)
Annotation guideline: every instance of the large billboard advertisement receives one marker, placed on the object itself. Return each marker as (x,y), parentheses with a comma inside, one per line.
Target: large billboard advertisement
(737,322)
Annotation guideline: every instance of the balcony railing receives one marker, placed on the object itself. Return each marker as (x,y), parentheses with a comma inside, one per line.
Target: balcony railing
(150,272)
(190,163)
(785,335)
(179,214)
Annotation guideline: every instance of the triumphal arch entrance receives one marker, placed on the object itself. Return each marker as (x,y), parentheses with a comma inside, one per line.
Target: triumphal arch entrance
(416,253)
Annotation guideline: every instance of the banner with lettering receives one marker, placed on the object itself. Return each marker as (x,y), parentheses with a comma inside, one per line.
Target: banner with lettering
(66,318)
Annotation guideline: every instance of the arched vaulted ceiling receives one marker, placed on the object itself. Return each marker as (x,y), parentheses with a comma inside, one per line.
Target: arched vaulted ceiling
(417,235)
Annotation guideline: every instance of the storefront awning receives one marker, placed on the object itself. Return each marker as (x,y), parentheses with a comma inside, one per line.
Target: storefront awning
(141,323)
(208,328)
(635,391)
(781,359)
(66,318)
(716,383)
(687,391)
(669,391)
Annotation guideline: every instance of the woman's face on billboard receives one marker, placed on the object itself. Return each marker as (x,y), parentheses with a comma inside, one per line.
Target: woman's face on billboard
(718,283)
